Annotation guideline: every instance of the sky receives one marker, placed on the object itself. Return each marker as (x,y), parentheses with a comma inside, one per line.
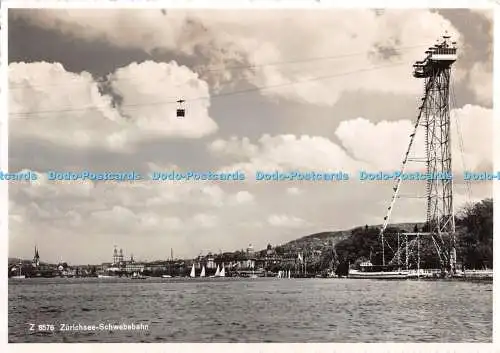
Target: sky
(323,91)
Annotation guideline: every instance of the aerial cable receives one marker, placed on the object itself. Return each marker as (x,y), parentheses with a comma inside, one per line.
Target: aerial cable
(215,96)
(235,68)
(468,187)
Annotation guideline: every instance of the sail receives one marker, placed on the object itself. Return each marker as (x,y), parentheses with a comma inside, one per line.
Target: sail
(202,274)
(289,273)
(192,274)
(217,273)
(222,272)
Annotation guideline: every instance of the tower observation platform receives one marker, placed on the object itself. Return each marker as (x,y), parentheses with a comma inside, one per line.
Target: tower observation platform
(440,56)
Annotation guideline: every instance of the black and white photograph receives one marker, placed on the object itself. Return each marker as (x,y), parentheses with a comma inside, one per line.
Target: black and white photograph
(250,175)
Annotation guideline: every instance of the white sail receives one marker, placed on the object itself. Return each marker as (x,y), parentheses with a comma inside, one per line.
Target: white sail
(202,274)
(217,273)
(222,272)
(289,273)
(192,274)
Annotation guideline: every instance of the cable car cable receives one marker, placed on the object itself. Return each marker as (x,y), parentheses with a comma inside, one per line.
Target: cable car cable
(215,96)
(240,67)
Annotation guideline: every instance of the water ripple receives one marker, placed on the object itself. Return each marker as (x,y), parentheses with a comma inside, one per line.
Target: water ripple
(256,310)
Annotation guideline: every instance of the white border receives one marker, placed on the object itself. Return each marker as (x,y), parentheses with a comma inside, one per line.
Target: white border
(496,156)
(252,4)
(243,4)
(4,165)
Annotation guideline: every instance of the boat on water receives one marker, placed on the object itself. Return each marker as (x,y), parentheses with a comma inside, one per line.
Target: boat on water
(220,272)
(217,272)
(136,275)
(105,276)
(369,271)
(166,276)
(193,272)
(19,275)
(284,274)
(483,274)
(202,274)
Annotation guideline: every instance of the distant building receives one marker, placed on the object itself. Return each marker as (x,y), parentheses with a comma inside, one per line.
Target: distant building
(243,264)
(210,261)
(118,258)
(131,265)
(270,251)
(134,267)
(104,266)
(199,261)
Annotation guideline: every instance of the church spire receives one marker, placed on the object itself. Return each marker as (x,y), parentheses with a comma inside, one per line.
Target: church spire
(36,258)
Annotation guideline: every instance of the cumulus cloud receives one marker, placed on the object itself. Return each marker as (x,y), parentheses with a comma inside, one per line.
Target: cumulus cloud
(69,109)
(243,197)
(230,36)
(145,221)
(234,147)
(367,146)
(286,152)
(168,213)
(282,220)
(294,191)
(138,203)
(205,220)
(486,13)
(481,73)
(380,145)
(481,81)
(144,89)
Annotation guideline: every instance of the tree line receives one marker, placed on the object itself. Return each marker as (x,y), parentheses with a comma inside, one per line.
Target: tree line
(474,242)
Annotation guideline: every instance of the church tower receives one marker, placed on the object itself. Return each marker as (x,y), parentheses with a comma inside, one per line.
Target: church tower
(36,258)
(120,257)
(115,256)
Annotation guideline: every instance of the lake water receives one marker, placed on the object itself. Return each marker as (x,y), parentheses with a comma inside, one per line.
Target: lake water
(252,310)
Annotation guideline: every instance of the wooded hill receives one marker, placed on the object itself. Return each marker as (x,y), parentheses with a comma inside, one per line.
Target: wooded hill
(474,231)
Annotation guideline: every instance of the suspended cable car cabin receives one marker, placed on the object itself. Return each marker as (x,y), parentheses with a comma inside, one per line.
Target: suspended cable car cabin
(181,112)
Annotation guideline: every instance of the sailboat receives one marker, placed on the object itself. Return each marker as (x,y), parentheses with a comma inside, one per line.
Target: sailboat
(289,274)
(253,275)
(222,272)
(19,275)
(137,275)
(192,274)
(217,272)
(202,274)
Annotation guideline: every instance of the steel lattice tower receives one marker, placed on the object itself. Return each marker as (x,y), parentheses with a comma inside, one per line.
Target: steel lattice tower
(436,72)
(434,116)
